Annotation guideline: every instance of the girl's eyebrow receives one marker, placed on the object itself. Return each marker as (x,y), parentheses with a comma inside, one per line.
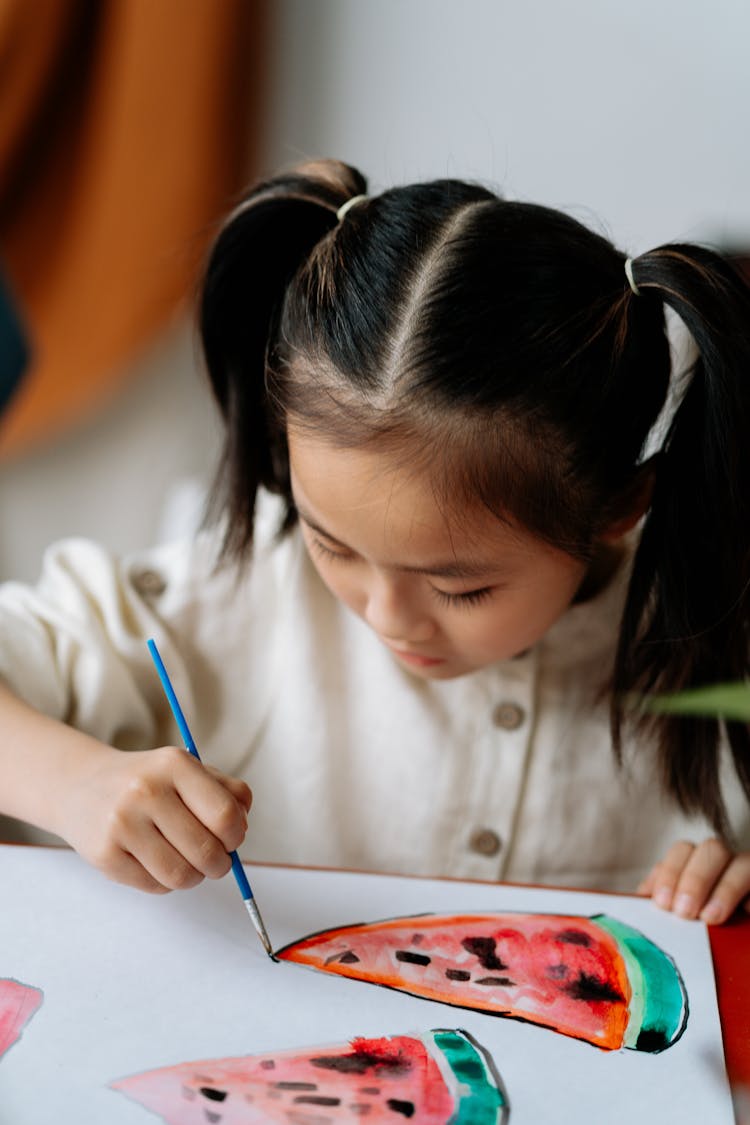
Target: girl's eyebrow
(454,568)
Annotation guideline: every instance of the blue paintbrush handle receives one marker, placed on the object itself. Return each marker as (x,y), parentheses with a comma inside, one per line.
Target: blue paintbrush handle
(237,868)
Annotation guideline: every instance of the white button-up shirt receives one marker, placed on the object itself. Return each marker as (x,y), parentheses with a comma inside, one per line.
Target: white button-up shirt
(504,774)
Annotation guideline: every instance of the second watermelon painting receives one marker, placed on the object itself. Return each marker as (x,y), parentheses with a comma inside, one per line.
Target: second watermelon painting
(441,1077)
(591,978)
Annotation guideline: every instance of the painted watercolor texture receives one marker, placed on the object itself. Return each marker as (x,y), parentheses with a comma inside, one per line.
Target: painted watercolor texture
(440,1077)
(591,978)
(18,1002)
(133,983)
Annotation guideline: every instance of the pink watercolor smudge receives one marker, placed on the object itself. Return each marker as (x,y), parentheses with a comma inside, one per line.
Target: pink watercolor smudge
(18,1002)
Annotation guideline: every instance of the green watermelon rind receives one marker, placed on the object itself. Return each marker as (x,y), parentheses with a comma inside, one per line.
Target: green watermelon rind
(480,1095)
(659,1003)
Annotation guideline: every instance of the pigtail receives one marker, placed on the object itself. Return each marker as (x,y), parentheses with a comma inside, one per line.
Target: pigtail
(260,248)
(686,618)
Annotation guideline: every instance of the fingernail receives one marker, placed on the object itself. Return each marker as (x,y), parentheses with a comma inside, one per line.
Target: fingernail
(663,897)
(713,911)
(685,906)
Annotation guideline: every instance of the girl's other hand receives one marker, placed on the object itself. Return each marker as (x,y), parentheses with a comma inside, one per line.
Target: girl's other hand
(157,820)
(703,880)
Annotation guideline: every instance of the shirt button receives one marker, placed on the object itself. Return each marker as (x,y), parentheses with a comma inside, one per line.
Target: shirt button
(149,583)
(508,716)
(485,841)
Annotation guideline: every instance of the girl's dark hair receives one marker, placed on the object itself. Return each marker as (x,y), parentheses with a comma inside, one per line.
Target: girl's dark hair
(437,316)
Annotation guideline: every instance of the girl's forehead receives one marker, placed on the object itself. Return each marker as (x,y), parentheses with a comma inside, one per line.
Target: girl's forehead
(379,500)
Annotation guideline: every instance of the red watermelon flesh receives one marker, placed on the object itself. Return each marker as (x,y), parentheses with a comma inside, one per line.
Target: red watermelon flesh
(438,1078)
(562,972)
(18,1002)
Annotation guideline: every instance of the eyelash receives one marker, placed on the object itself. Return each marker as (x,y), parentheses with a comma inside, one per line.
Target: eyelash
(325,551)
(467,599)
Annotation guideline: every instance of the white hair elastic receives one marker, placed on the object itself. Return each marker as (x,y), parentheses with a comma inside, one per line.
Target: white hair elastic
(355,199)
(629,276)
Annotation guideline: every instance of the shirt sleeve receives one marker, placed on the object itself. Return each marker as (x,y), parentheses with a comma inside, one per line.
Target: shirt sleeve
(74,645)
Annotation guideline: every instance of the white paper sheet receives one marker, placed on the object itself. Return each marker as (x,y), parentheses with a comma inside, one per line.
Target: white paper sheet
(133,982)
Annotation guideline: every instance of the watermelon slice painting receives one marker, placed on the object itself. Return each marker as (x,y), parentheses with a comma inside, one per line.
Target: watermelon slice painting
(18,1002)
(440,1077)
(595,979)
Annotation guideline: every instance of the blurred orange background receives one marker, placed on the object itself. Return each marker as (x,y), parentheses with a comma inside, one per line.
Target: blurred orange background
(126,126)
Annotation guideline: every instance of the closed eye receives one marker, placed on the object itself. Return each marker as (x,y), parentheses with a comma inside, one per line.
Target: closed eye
(328,552)
(466,599)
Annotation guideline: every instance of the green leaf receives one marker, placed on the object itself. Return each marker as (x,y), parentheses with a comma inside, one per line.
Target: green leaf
(722,701)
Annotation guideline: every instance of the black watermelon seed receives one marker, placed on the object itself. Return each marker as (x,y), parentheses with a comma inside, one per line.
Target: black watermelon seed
(457,974)
(412,958)
(405,1108)
(586,987)
(505,982)
(212,1094)
(295,1086)
(483,949)
(574,937)
(316,1099)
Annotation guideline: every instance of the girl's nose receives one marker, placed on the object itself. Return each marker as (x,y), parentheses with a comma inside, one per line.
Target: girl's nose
(394,615)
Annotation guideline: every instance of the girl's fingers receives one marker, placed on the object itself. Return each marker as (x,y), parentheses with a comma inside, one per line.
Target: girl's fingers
(662,881)
(122,867)
(732,887)
(163,820)
(212,803)
(176,820)
(706,881)
(133,874)
(240,790)
(184,850)
(646,885)
(700,875)
(167,864)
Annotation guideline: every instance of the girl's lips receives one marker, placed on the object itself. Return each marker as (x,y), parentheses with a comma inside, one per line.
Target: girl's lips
(417,660)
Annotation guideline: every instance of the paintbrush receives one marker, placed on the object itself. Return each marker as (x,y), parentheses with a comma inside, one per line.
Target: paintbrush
(237,869)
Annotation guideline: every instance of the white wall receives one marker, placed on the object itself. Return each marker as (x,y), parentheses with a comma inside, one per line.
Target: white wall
(632,115)
(116,477)
(635,112)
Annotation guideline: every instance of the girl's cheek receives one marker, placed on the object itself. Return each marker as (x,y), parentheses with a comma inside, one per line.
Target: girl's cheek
(344,588)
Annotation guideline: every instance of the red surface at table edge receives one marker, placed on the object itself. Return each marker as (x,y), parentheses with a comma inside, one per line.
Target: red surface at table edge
(730,948)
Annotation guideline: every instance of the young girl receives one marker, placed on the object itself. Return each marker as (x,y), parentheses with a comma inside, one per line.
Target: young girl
(469,555)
